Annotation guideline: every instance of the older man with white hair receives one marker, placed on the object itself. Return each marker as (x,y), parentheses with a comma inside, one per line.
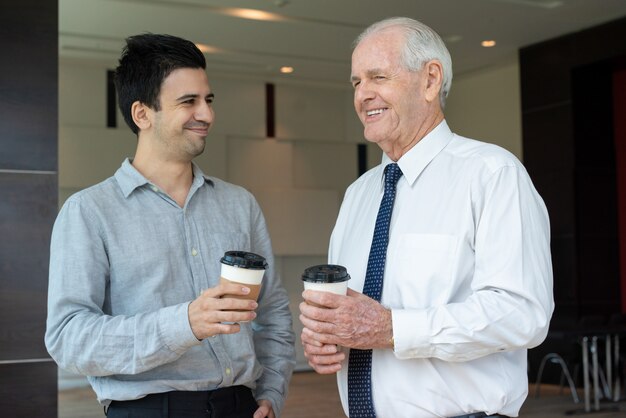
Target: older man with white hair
(447,243)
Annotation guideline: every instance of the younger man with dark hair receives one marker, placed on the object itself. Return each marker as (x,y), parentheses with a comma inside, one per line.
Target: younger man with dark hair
(135,302)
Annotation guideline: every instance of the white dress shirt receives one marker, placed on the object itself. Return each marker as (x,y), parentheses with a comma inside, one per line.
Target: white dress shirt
(468,277)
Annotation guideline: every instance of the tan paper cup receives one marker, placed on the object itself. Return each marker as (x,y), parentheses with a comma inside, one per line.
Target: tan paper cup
(243,268)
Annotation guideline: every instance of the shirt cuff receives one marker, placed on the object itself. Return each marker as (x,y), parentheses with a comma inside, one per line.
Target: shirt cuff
(410,333)
(175,330)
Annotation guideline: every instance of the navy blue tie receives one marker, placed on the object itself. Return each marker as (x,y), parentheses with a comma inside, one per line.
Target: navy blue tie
(360,401)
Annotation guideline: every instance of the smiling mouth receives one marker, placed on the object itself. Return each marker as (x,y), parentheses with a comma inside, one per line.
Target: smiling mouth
(200,130)
(375,111)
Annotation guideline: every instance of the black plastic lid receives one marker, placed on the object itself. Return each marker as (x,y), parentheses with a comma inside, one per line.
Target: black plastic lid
(326,273)
(244,259)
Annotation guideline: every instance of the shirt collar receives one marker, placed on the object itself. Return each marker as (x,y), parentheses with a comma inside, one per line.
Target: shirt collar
(417,158)
(130,179)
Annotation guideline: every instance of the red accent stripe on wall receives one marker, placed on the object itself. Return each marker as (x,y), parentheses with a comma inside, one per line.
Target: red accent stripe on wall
(619,129)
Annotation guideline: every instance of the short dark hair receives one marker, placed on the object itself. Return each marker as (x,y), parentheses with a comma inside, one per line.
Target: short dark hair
(146,61)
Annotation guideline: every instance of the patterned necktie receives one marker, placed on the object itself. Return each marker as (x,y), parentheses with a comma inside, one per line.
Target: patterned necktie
(360,401)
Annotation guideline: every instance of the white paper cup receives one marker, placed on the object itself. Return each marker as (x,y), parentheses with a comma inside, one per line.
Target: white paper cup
(326,278)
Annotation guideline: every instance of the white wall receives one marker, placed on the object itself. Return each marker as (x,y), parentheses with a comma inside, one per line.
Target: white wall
(300,176)
(486,105)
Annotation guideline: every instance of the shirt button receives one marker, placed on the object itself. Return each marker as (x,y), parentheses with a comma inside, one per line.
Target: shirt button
(228,372)
(194,252)
(154,188)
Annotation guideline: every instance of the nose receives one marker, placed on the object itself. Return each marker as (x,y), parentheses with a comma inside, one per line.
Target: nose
(204,112)
(363,93)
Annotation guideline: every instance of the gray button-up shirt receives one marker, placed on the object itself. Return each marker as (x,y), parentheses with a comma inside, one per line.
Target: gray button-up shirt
(126,261)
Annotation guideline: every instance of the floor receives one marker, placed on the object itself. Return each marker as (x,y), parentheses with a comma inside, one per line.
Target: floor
(315,396)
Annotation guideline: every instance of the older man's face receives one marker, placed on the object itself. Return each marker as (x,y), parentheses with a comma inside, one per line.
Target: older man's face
(388,98)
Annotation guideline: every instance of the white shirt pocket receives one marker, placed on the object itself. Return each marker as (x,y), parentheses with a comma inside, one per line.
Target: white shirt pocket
(419,270)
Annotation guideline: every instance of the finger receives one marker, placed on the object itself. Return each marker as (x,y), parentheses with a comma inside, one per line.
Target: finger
(305,339)
(231,303)
(311,335)
(308,324)
(304,307)
(317,326)
(227,288)
(323,349)
(261,412)
(325,299)
(326,360)
(325,369)
(236,316)
(214,329)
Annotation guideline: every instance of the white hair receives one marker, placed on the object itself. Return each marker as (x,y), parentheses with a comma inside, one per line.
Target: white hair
(422,44)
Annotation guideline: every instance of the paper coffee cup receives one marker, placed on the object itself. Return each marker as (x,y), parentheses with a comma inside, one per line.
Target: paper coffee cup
(331,278)
(243,268)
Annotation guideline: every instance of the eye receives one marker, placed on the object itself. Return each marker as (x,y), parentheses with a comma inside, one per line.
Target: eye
(355,84)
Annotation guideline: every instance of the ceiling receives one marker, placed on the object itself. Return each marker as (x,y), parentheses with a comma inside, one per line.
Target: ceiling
(315,36)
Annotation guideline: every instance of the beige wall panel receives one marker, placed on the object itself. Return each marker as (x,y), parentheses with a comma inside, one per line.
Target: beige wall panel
(239,107)
(354,127)
(309,112)
(374,155)
(82,95)
(291,269)
(299,221)
(324,165)
(261,163)
(89,155)
(486,105)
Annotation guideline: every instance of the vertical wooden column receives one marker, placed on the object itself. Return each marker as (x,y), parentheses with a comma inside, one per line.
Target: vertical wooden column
(28,203)
(566,150)
(619,135)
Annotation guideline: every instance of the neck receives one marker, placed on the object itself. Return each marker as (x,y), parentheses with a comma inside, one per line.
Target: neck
(397,149)
(174,177)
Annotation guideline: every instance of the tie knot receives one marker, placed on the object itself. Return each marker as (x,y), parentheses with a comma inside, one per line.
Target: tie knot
(392,174)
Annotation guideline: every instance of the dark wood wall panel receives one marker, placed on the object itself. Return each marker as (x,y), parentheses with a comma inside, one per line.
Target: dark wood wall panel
(547,86)
(550,162)
(28,203)
(26,390)
(595,181)
(567,146)
(26,216)
(28,107)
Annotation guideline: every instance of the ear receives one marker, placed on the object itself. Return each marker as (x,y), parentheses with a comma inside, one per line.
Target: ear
(141,115)
(434,81)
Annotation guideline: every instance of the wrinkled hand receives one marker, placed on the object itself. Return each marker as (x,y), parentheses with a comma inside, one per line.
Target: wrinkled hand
(324,358)
(209,312)
(265,410)
(354,321)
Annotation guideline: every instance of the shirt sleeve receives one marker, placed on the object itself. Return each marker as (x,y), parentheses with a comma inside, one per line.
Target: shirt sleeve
(80,336)
(273,333)
(510,303)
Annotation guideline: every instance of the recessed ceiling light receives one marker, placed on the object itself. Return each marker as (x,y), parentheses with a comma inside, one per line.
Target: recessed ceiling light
(207,49)
(488,43)
(252,14)
(286,70)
